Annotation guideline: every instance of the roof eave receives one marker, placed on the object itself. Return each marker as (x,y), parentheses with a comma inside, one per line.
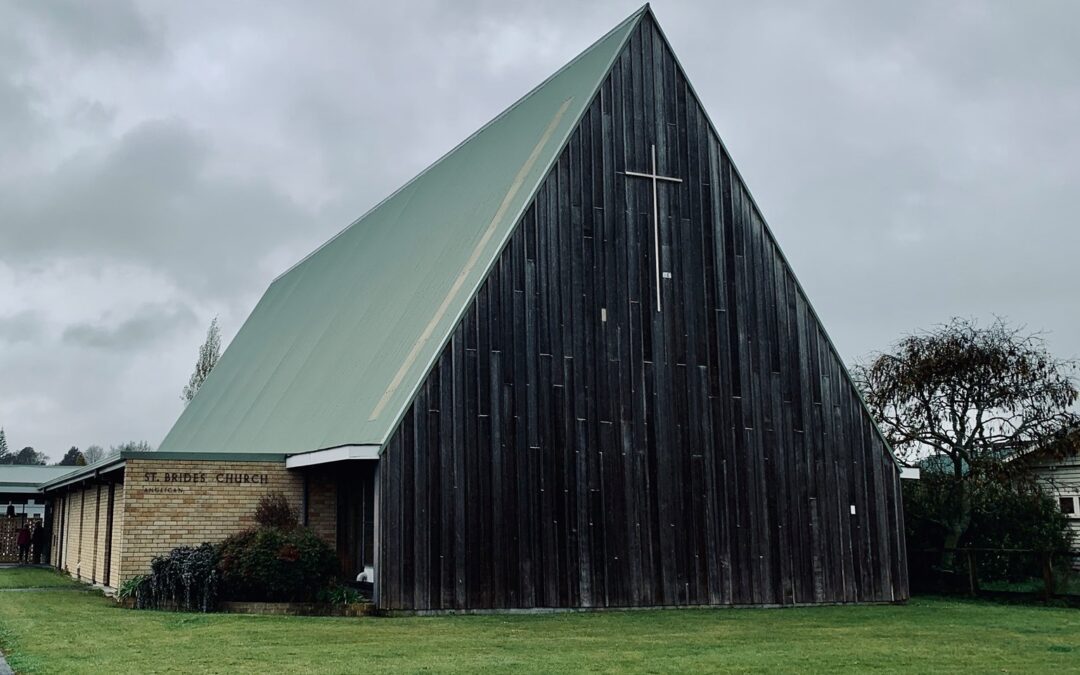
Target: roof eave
(86,473)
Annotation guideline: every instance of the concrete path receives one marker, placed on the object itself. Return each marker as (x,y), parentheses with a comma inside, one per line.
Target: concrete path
(5,669)
(7,566)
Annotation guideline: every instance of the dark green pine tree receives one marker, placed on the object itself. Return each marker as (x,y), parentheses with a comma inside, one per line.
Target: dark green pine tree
(29,456)
(73,457)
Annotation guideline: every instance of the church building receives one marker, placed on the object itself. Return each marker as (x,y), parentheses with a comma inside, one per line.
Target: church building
(566,366)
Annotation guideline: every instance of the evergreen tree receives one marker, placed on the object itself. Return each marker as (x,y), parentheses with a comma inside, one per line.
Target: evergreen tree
(73,458)
(5,456)
(29,456)
(209,353)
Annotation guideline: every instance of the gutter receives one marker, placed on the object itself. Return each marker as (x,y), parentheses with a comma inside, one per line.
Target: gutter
(92,471)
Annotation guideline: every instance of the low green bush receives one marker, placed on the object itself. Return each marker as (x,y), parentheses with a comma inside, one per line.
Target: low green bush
(339,594)
(269,564)
(130,588)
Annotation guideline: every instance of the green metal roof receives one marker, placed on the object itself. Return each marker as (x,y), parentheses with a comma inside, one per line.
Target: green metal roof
(335,349)
(28,475)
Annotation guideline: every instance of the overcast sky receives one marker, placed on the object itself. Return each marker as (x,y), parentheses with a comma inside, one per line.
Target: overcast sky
(162,162)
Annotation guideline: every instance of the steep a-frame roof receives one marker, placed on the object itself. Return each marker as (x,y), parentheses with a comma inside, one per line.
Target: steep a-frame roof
(337,346)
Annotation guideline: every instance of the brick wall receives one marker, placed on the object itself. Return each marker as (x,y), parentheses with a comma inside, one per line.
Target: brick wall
(322,504)
(170,503)
(163,504)
(84,530)
(118,536)
(73,549)
(100,510)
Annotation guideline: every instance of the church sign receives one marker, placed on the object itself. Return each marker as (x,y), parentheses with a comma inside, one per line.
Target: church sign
(175,478)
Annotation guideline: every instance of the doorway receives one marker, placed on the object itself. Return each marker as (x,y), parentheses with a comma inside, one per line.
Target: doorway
(356,520)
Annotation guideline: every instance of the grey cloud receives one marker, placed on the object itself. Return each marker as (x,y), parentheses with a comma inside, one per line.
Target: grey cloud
(25,326)
(148,198)
(19,123)
(142,330)
(104,26)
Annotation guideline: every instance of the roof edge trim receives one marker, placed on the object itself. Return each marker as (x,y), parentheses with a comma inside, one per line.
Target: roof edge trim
(341,453)
(89,472)
(209,456)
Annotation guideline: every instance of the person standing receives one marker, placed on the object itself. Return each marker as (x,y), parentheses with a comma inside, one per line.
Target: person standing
(37,541)
(24,544)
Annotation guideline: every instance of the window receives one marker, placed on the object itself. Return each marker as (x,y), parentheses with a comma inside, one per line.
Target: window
(1068,506)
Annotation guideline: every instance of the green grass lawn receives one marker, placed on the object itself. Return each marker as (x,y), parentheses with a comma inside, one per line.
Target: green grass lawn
(35,577)
(57,631)
(1069,585)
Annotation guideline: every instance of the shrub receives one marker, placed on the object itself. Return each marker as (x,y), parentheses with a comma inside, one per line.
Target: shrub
(339,594)
(186,578)
(274,511)
(1003,516)
(269,564)
(130,588)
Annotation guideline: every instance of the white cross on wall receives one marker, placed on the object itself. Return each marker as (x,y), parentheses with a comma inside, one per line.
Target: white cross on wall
(654,177)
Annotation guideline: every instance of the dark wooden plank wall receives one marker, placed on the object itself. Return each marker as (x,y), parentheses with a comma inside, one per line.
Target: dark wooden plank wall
(573,447)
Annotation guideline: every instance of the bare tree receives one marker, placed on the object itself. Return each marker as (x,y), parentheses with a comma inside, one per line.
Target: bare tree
(93,453)
(209,353)
(975,397)
(131,446)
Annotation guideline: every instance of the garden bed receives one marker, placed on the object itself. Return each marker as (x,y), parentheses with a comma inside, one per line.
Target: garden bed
(297,608)
(274,608)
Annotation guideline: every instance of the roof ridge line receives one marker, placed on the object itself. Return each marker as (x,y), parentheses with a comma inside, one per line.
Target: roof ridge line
(636,16)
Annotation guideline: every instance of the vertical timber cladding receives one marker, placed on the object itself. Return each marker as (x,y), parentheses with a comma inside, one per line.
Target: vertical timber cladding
(573,447)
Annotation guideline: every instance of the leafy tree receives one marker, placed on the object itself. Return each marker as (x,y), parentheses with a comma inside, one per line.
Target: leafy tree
(975,398)
(131,446)
(72,458)
(5,456)
(209,353)
(29,456)
(93,453)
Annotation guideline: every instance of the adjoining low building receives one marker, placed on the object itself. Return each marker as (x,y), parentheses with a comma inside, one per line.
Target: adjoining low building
(112,517)
(1061,478)
(566,366)
(23,503)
